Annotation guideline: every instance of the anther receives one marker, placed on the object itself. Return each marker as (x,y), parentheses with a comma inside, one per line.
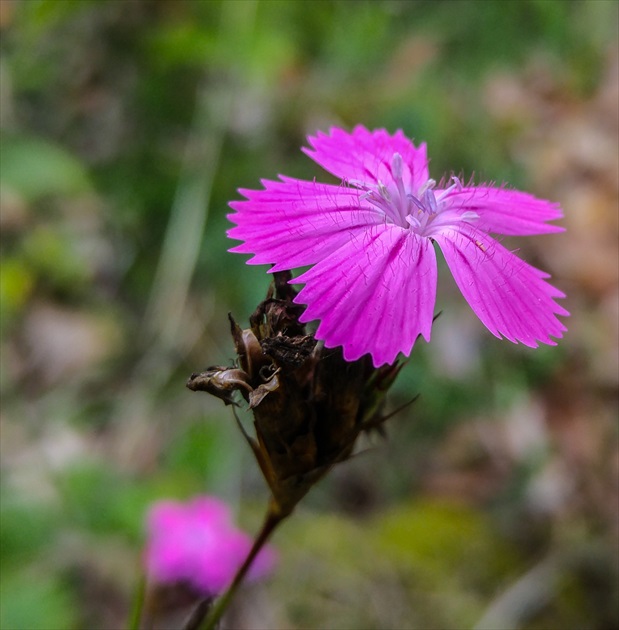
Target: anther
(383,191)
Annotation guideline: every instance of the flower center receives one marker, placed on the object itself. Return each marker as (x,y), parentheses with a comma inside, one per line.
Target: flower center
(414,210)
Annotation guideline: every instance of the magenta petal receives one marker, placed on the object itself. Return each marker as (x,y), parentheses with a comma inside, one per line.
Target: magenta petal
(198,543)
(374,295)
(295,223)
(504,211)
(508,295)
(365,157)
(374,281)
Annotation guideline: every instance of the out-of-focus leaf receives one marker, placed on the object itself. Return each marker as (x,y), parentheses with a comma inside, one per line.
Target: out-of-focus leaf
(37,601)
(442,539)
(102,501)
(51,254)
(45,13)
(25,530)
(16,282)
(197,449)
(36,168)
(181,44)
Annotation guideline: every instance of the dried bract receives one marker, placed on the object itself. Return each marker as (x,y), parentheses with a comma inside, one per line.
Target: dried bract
(309,404)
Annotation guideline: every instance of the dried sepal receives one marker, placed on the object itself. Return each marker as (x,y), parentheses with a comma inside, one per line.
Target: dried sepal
(258,394)
(221,382)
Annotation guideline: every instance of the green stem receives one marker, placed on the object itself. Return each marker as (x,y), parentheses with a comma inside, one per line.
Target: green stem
(138,603)
(199,619)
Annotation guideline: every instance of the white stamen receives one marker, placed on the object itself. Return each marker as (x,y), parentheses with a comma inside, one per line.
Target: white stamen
(429,185)
(457,185)
(417,202)
(412,221)
(396,166)
(430,201)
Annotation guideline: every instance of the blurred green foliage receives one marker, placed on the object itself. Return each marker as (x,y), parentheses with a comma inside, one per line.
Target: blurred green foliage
(34,169)
(122,120)
(36,601)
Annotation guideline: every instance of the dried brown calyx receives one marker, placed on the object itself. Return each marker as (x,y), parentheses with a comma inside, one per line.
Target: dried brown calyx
(309,404)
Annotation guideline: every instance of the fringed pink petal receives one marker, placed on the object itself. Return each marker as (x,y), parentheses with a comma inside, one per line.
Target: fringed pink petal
(375,295)
(365,158)
(508,295)
(374,280)
(504,211)
(294,223)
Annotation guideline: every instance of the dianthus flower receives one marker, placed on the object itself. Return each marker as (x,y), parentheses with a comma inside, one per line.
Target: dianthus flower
(197,543)
(370,240)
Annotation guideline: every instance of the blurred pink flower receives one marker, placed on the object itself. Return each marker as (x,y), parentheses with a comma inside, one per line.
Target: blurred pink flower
(197,542)
(373,283)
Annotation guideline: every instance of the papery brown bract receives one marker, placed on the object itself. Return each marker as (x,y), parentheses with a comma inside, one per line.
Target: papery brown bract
(309,404)
(219,381)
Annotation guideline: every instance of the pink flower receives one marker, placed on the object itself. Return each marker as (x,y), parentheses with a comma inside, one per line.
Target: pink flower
(196,542)
(370,241)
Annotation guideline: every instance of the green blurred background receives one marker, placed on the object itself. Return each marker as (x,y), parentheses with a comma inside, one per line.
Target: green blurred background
(127,126)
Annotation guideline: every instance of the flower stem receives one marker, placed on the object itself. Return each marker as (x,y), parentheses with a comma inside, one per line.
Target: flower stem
(200,620)
(138,604)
